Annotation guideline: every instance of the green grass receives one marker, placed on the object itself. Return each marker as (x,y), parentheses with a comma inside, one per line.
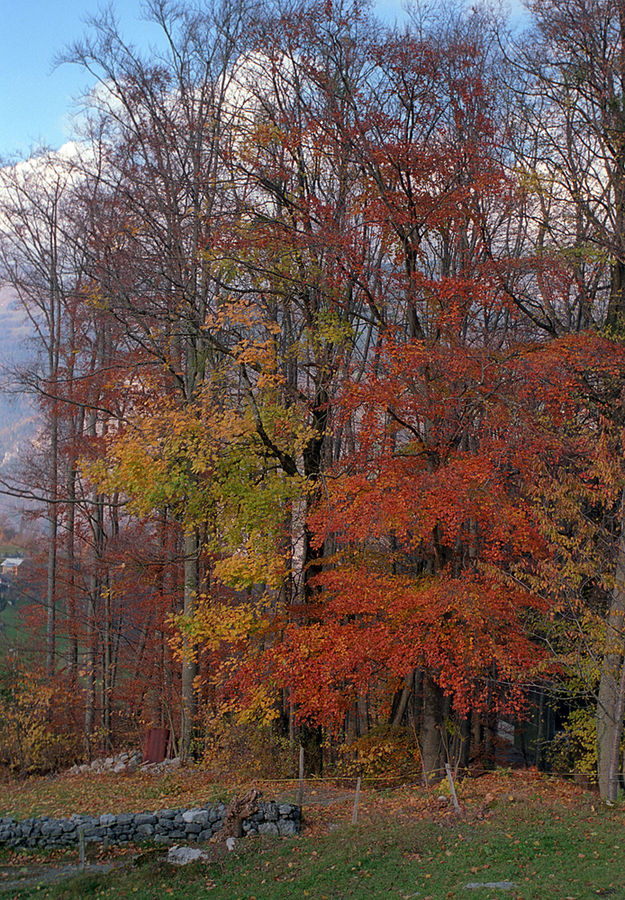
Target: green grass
(575,852)
(12,631)
(12,550)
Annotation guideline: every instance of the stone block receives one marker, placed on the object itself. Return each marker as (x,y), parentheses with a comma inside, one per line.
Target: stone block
(162,839)
(271,812)
(197,815)
(145,819)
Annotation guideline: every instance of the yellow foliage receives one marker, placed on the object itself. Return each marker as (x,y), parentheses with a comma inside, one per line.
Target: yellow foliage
(574,749)
(249,565)
(262,708)
(249,749)
(382,751)
(214,623)
(28,741)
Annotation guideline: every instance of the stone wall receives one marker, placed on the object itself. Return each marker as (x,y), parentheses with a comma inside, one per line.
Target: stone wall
(165,826)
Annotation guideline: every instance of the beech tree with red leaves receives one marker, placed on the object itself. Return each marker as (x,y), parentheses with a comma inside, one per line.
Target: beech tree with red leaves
(330,360)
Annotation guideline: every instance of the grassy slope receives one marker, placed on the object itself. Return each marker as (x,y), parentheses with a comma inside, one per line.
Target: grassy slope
(551,839)
(12,632)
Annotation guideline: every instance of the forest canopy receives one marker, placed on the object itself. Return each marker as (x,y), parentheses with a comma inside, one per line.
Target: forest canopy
(330,361)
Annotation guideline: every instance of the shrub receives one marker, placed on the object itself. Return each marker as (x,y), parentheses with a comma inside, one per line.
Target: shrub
(382,751)
(30,741)
(245,749)
(574,749)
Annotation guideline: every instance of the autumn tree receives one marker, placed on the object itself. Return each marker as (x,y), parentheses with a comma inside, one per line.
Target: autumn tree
(570,101)
(322,347)
(375,176)
(158,129)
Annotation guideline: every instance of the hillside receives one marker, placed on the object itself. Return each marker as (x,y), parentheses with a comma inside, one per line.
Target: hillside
(518,835)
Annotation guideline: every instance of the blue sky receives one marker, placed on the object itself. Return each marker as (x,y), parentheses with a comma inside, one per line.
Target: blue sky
(35,99)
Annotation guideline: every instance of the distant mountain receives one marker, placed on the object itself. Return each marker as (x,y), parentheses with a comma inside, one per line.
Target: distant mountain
(18,415)
(15,329)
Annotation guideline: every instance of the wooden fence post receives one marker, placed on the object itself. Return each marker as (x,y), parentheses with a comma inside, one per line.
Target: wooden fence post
(81,846)
(356,801)
(300,792)
(452,787)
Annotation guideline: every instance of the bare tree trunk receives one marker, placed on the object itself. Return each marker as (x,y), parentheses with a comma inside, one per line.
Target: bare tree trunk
(90,665)
(70,603)
(363,715)
(403,700)
(616,304)
(95,588)
(189,665)
(106,671)
(54,340)
(51,574)
(431,743)
(611,699)
(540,730)
(51,594)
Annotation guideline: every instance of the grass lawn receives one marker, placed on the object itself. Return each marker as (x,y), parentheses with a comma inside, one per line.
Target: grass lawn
(11,626)
(549,838)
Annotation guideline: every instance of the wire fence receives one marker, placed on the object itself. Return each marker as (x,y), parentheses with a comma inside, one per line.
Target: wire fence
(382,781)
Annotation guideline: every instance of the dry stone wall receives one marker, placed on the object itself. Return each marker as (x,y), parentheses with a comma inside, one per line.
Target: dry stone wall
(165,826)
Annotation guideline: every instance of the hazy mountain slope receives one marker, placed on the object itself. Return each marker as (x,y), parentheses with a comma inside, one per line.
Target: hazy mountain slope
(18,416)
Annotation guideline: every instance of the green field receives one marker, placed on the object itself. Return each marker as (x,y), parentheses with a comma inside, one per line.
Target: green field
(12,633)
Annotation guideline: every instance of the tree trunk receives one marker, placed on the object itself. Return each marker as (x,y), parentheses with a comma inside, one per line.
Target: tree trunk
(431,744)
(71,611)
(616,306)
(53,519)
(107,671)
(402,703)
(540,730)
(611,698)
(90,667)
(465,742)
(51,592)
(95,589)
(363,715)
(189,664)
(476,735)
